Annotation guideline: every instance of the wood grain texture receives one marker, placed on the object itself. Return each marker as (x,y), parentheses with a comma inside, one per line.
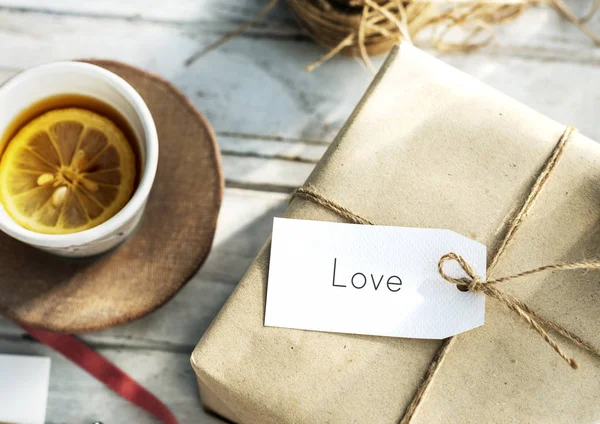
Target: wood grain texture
(273,121)
(179,11)
(76,397)
(155,350)
(257,86)
(244,225)
(267,163)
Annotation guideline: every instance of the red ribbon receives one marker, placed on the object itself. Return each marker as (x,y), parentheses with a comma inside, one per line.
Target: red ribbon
(105,371)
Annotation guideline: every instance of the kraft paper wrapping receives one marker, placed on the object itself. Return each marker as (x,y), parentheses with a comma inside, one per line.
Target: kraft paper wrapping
(429,146)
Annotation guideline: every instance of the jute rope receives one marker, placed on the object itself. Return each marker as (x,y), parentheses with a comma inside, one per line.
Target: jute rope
(367,28)
(475,284)
(533,193)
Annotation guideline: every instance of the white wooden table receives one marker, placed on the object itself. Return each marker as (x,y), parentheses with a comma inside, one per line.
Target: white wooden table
(273,121)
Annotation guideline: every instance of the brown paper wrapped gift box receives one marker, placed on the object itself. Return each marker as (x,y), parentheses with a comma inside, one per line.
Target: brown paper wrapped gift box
(429,146)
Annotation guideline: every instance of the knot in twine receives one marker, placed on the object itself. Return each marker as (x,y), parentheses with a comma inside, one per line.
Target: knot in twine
(473,283)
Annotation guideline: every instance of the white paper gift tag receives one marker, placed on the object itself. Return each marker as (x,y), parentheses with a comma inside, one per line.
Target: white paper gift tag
(366,279)
(23,389)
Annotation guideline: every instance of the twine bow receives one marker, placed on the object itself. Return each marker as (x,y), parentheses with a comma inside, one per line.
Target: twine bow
(474,283)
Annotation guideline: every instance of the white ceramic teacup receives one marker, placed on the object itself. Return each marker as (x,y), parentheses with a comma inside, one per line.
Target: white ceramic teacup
(63,78)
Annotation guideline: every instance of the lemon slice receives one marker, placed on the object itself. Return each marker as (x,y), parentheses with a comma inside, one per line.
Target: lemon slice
(66,171)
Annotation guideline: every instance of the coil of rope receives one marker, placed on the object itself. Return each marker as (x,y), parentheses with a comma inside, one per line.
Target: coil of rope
(367,28)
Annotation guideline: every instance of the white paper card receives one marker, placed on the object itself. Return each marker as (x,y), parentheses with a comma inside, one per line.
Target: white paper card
(23,389)
(366,279)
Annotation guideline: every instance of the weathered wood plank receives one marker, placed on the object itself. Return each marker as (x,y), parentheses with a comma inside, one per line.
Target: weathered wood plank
(294,151)
(244,225)
(265,174)
(159,10)
(290,101)
(271,165)
(544,22)
(258,85)
(76,397)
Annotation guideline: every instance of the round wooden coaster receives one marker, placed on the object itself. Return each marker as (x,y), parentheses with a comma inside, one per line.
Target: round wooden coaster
(174,238)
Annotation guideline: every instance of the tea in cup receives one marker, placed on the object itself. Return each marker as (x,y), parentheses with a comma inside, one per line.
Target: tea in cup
(78,157)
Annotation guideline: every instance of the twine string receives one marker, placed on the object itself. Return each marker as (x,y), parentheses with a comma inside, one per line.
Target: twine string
(509,234)
(541,179)
(580,22)
(473,18)
(370,27)
(474,283)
